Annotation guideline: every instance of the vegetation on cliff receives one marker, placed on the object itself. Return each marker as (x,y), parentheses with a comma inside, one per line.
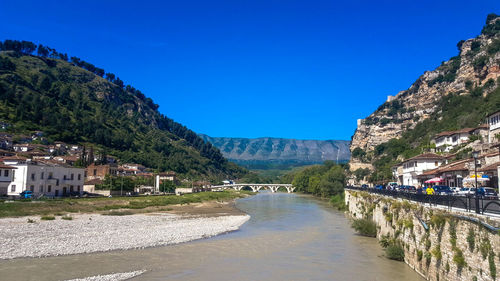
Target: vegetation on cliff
(446,108)
(74,101)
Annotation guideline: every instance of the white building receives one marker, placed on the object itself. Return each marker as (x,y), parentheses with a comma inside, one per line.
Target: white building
(415,166)
(6,176)
(494,122)
(44,178)
(446,141)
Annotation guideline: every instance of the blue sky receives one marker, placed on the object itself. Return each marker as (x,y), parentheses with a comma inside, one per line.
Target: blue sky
(293,69)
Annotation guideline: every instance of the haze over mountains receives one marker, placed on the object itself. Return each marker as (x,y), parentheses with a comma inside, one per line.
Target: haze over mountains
(255,152)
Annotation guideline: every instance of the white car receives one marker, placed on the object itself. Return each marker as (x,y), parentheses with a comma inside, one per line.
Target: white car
(466,191)
(455,190)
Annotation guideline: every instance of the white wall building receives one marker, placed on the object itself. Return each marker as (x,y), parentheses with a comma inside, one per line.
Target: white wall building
(494,122)
(446,141)
(415,166)
(44,178)
(6,176)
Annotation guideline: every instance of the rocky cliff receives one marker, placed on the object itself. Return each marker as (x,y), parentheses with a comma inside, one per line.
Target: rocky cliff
(477,65)
(281,150)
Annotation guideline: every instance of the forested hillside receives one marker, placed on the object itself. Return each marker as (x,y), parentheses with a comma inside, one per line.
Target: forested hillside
(74,101)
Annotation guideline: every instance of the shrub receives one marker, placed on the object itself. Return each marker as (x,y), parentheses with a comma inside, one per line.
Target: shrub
(68,218)
(365,227)
(395,252)
(338,201)
(459,259)
(436,252)
(48,218)
(471,239)
(30,221)
(420,254)
(493,267)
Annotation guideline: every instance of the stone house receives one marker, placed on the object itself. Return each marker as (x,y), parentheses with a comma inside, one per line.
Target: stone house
(100,171)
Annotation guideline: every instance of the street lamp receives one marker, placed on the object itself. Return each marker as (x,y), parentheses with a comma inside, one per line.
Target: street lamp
(475,154)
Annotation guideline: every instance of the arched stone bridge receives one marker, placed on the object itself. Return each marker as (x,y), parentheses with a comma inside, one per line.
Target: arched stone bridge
(257,186)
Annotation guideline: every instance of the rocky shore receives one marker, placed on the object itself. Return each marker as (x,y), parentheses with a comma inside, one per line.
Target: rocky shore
(88,233)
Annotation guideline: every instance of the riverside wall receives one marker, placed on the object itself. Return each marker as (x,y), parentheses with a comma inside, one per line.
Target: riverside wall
(451,248)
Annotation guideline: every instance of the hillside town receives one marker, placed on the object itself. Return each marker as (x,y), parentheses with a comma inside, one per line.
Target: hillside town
(449,163)
(30,163)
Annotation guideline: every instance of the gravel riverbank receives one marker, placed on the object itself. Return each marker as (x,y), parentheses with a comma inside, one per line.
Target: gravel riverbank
(87,233)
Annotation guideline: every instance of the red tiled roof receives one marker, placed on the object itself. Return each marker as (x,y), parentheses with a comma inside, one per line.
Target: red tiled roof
(426,156)
(2,166)
(491,167)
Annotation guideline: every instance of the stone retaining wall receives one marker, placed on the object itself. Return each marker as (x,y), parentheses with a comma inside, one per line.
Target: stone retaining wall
(451,249)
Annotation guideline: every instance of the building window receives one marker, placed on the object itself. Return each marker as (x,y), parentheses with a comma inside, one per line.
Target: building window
(436,163)
(79,176)
(6,173)
(49,188)
(50,175)
(33,176)
(95,172)
(41,188)
(57,182)
(41,176)
(13,174)
(64,177)
(72,176)
(78,188)
(32,188)
(13,188)
(70,188)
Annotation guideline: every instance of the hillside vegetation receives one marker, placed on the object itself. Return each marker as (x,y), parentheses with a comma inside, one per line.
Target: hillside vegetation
(74,101)
(460,93)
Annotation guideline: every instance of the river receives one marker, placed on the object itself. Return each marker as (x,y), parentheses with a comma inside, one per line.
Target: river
(289,237)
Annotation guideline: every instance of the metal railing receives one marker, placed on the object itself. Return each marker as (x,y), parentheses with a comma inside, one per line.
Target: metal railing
(467,203)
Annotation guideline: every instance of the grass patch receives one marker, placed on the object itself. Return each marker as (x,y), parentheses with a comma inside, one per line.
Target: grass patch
(48,218)
(365,227)
(68,218)
(47,207)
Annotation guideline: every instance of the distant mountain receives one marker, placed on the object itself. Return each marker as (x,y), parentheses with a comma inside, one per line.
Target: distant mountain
(253,152)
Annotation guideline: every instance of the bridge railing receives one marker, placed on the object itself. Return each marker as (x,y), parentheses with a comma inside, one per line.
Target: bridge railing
(466,203)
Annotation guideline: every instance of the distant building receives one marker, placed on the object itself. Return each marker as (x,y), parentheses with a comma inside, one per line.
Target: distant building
(44,178)
(171,176)
(415,166)
(100,171)
(494,122)
(6,177)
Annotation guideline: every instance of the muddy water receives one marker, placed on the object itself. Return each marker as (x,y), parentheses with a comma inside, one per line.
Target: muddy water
(289,237)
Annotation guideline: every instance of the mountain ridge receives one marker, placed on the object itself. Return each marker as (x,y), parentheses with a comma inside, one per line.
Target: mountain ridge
(272,149)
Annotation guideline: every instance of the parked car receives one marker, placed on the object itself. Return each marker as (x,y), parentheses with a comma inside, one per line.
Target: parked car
(487,192)
(410,188)
(364,186)
(379,187)
(466,191)
(442,190)
(455,190)
(26,194)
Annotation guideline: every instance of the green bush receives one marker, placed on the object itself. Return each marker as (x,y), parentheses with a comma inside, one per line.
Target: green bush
(420,254)
(459,258)
(395,252)
(338,201)
(48,218)
(365,227)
